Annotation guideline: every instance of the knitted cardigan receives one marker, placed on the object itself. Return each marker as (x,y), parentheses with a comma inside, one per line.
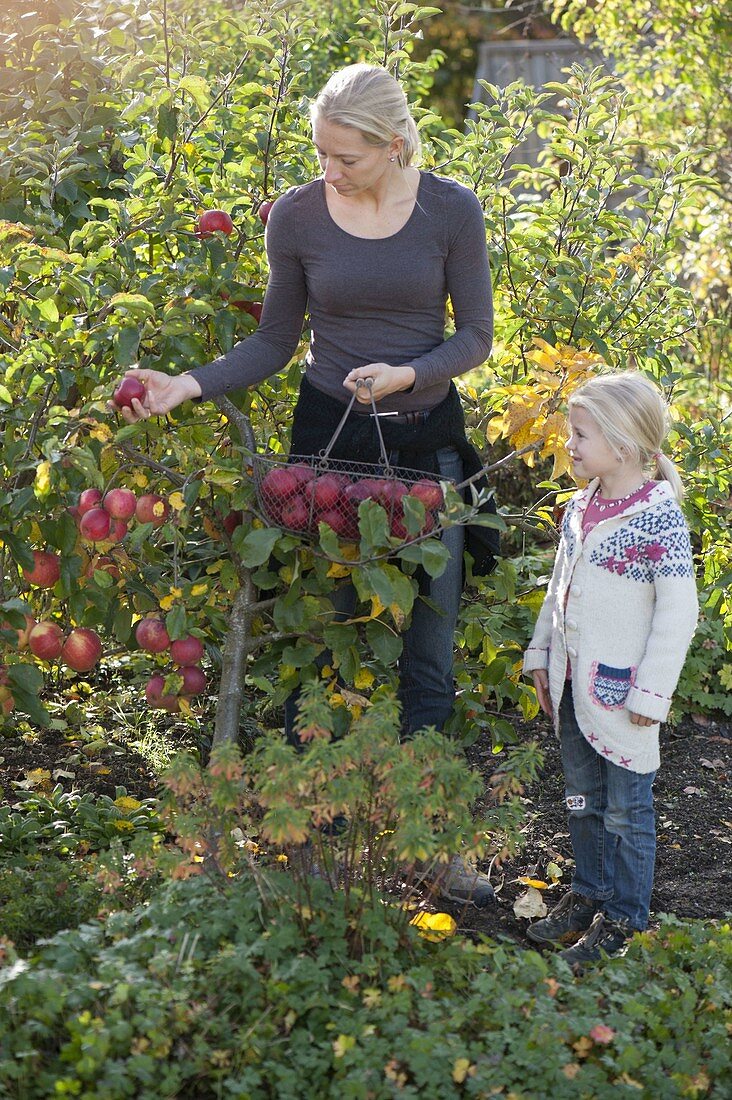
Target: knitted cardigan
(622,607)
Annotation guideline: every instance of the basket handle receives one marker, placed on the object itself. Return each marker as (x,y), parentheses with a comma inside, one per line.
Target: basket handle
(369,383)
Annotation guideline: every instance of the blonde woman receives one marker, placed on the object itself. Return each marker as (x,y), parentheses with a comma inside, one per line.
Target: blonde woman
(609,644)
(371,251)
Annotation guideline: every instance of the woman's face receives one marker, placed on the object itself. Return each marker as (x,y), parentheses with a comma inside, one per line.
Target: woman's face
(350,165)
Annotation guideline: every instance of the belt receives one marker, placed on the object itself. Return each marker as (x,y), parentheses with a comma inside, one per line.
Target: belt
(405,417)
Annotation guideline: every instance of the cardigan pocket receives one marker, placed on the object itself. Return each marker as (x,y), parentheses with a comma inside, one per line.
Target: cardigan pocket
(609,686)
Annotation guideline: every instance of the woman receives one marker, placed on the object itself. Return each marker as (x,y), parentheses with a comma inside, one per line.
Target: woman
(372,250)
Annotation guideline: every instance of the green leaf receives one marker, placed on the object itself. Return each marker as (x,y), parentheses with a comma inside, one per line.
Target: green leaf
(126,345)
(383,641)
(20,549)
(197,89)
(176,622)
(26,677)
(254,547)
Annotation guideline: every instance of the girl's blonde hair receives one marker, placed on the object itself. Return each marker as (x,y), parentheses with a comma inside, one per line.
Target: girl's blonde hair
(632,415)
(368,99)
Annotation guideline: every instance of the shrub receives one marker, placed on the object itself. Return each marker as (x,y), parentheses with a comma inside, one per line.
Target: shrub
(214,990)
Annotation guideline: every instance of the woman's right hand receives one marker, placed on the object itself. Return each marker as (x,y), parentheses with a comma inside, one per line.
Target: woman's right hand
(163,392)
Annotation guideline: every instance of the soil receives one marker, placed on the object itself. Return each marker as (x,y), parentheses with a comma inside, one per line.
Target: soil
(692,794)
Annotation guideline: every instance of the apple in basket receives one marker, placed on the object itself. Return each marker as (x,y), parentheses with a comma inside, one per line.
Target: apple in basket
(429,492)
(295,513)
(279,485)
(326,491)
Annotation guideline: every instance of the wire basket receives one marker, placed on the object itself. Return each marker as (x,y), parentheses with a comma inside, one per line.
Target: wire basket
(298,492)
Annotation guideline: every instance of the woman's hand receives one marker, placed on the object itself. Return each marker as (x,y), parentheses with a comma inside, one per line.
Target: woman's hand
(640,719)
(163,392)
(386,379)
(541,683)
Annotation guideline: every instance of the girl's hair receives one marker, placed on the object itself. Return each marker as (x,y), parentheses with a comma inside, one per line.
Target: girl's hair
(632,415)
(368,99)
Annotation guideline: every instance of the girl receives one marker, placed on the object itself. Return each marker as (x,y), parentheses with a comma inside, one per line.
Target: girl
(609,644)
(371,250)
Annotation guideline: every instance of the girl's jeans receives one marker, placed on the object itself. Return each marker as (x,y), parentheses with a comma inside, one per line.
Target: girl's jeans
(611,825)
(426,686)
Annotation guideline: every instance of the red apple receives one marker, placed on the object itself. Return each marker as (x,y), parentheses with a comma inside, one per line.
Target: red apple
(325,491)
(254,309)
(295,514)
(151,635)
(279,486)
(104,564)
(429,492)
(95,524)
(302,472)
(231,521)
(120,503)
(152,508)
(264,209)
(213,221)
(117,530)
(194,680)
(391,492)
(342,525)
(128,389)
(186,651)
(154,689)
(46,640)
(82,649)
(46,569)
(90,498)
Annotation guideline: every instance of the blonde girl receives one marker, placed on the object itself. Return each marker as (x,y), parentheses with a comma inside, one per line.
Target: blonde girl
(606,654)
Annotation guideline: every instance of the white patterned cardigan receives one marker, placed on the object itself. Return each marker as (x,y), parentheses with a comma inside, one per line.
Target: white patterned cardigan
(622,607)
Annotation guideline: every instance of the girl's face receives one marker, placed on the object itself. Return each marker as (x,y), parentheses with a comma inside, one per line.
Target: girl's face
(350,165)
(590,452)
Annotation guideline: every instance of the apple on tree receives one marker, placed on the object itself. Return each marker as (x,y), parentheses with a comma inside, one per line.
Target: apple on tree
(186,651)
(213,221)
(82,649)
(88,499)
(120,503)
(46,569)
(46,640)
(95,525)
(151,508)
(151,635)
(264,209)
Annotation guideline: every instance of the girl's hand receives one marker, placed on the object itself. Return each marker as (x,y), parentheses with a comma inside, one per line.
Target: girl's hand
(640,719)
(163,392)
(541,683)
(387,379)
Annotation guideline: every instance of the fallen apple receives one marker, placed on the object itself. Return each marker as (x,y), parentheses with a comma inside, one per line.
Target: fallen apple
(46,569)
(82,649)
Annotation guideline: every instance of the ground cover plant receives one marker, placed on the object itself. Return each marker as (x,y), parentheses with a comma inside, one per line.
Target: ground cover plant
(153,617)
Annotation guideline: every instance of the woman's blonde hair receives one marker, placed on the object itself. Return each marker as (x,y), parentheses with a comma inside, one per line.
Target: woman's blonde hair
(368,99)
(632,415)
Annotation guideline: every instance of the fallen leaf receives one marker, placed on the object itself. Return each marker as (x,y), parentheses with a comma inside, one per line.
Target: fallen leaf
(537,883)
(434,926)
(61,774)
(602,1034)
(530,905)
(583,1046)
(692,790)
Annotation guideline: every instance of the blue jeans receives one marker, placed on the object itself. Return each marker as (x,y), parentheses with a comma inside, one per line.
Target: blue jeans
(611,825)
(426,686)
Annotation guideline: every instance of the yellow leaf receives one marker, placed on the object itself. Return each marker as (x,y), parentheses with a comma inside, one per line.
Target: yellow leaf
(199,589)
(554,872)
(102,432)
(140,480)
(343,1044)
(38,777)
(185,706)
(364,678)
(460,1070)
(336,569)
(570,1070)
(176,502)
(43,479)
(376,607)
(583,1046)
(434,926)
(166,602)
(537,883)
